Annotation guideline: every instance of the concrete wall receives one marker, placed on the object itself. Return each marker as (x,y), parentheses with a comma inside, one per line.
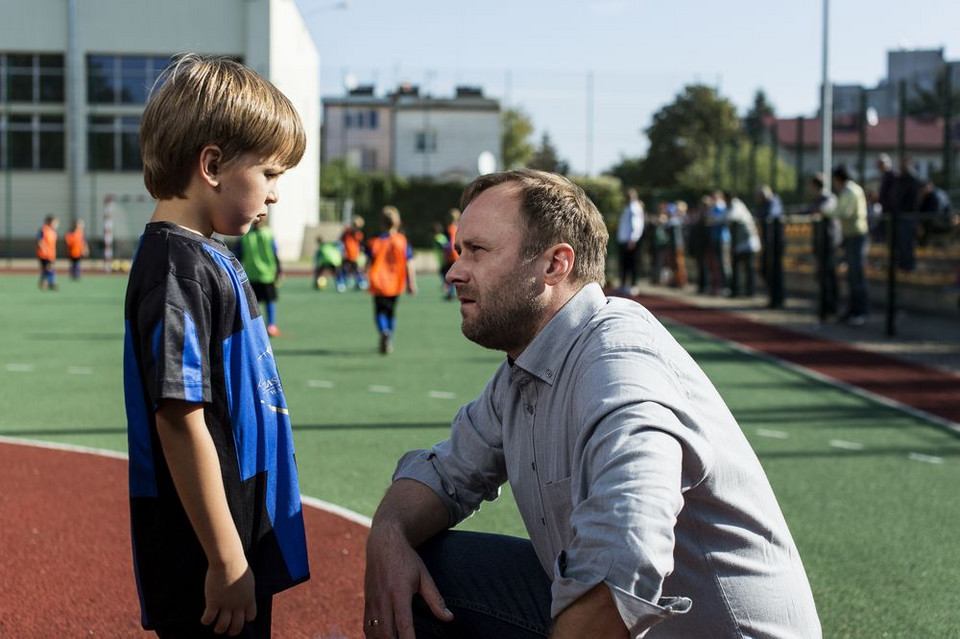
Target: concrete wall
(462,135)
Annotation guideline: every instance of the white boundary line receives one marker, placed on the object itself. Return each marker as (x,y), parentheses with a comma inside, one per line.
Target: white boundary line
(313,502)
(831,381)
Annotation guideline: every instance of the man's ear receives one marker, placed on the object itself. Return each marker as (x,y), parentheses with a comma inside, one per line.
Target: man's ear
(211,162)
(561,263)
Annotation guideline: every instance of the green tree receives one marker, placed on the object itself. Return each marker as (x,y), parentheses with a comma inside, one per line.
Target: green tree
(686,130)
(628,170)
(931,101)
(753,122)
(734,169)
(515,131)
(546,158)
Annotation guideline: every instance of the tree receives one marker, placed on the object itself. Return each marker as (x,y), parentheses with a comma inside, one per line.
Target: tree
(686,130)
(753,122)
(515,131)
(546,158)
(932,101)
(628,170)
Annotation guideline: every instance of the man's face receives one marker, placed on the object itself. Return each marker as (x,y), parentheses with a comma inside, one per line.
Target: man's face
(500,291)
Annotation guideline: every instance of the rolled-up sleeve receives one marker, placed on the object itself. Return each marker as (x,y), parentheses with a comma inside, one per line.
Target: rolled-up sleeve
(635,458)
(468,468)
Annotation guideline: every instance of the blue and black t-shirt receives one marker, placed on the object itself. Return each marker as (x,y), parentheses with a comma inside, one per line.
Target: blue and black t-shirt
(194,333)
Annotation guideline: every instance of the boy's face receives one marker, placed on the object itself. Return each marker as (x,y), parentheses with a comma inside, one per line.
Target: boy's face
(247,186)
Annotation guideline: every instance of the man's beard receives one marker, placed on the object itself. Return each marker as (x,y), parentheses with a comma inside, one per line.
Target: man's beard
(510,315)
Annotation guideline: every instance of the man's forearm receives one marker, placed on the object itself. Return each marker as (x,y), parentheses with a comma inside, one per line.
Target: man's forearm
(413,510)
(594,614)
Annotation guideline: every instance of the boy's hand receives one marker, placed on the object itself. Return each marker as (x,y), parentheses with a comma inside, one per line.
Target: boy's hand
(231,600)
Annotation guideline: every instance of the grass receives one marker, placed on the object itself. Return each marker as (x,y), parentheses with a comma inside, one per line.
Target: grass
(875,527)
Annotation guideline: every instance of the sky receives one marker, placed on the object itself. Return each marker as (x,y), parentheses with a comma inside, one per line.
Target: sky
(591,73)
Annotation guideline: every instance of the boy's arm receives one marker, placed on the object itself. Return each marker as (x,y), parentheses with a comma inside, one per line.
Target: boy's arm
(195,469)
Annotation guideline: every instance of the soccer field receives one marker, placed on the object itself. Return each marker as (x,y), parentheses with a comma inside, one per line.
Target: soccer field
(870,493)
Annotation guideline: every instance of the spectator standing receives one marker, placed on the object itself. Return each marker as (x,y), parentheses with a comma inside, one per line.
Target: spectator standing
(676,225)
(718,252)
(770,216)
(745,244)
(851,211)
(908,200)
(827,238)
(886,194)
(629,232)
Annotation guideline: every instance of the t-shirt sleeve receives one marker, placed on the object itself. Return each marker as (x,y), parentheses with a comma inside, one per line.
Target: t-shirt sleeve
(174,323)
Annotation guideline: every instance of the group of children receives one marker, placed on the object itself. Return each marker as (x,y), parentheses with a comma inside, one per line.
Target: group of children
(77,249)
(216,516)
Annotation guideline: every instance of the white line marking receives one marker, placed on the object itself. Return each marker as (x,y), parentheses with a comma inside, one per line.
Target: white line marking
(839,443)
(20,368)
(441,395)
(79,370)
(809,372)
(929,459)
(313,502)
(774,434)
(380,389)
(320,383)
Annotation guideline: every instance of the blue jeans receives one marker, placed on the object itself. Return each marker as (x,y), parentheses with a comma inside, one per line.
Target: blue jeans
(855,254)
(493,584)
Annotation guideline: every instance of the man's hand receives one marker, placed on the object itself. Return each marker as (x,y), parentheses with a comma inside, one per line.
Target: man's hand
(230,596)
(395,573)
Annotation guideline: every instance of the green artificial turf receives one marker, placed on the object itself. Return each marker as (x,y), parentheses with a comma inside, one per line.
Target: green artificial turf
(876,528)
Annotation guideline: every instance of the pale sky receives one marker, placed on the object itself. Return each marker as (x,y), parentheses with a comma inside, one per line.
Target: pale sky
(539,55)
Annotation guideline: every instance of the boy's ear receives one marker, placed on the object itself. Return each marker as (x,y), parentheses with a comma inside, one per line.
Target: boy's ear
(211,160)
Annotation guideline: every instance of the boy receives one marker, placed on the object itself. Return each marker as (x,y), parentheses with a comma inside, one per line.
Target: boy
(257,252)
(77,248)
(390,273)
(47,252)
(216,517)
(351,240)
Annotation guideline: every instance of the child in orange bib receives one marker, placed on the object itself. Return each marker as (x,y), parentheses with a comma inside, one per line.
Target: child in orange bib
(390,273)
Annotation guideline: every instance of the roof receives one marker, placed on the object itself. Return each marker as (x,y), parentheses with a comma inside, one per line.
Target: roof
(919,134)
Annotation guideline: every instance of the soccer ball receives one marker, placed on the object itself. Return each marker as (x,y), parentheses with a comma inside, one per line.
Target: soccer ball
(321,283)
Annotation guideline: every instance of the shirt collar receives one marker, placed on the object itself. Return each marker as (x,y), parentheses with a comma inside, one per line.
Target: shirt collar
(543,357)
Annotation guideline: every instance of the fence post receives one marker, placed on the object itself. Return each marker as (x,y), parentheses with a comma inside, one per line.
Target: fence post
(799,154)
(862,126)
(893,228)
(947,128)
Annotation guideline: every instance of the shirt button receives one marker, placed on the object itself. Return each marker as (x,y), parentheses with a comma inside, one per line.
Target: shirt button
(529,409)
(549,373)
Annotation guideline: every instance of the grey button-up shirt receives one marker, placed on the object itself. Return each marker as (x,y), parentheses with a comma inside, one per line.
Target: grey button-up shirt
(629,470)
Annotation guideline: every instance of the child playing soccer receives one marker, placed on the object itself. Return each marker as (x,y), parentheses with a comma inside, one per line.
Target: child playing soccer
(390,273)
(215,505)
(257,252)
(77,247)
(47,252)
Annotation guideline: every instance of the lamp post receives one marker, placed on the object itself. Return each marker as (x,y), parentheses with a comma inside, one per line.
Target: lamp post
(826,105)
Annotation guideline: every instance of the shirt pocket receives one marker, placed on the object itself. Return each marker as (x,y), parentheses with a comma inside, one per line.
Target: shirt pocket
(557,507)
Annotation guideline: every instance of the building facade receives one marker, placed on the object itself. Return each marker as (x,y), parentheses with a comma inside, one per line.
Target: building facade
(413,136)
(74,79)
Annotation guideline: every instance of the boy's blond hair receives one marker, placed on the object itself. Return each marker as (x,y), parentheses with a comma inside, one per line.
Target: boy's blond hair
(199,101)
(390,218)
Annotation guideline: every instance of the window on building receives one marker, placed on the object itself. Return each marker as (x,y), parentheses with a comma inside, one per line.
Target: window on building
(115,79)
(32,142)
(32,77)
(372,119)
(426,142)
(113,143)
(368,160)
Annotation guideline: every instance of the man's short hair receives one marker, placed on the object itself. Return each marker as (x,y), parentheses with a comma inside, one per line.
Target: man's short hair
(841,173)
(556,210)
(199,101)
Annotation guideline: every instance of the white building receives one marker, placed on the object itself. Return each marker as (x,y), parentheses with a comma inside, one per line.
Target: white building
(412,135)
(74,78)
